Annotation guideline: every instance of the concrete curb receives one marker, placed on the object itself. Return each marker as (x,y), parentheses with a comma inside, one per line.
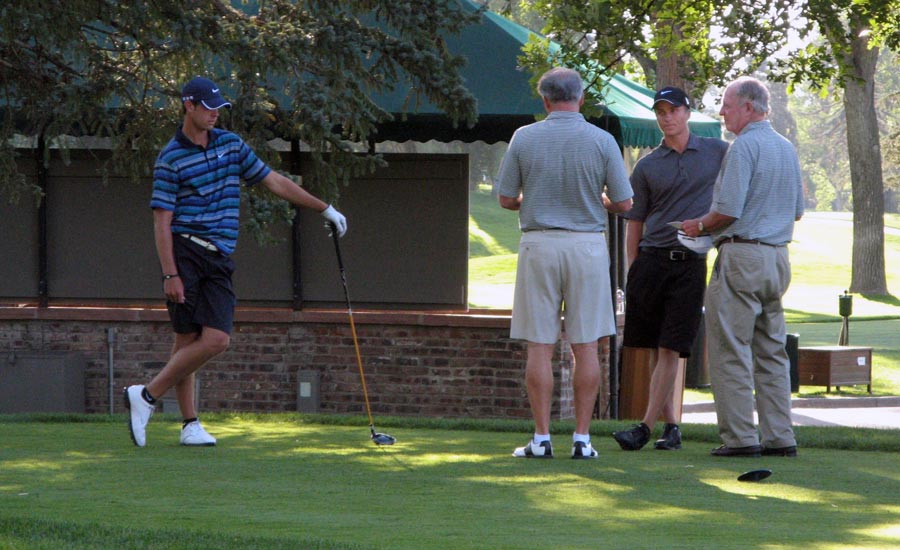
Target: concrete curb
(811,403)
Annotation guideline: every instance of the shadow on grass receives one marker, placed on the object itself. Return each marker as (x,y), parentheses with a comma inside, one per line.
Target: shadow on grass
(448,484)
(886,299)
(799,316)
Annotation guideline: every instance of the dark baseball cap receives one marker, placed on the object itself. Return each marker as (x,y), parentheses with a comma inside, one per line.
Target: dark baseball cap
(205,91)
(673,95)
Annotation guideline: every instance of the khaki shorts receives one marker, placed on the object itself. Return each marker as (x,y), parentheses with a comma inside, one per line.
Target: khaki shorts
(562,274)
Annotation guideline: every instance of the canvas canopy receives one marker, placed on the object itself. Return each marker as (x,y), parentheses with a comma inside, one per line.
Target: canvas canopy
(507,100)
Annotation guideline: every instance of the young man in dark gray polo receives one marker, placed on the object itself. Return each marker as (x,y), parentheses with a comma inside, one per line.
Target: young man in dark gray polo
(666,280)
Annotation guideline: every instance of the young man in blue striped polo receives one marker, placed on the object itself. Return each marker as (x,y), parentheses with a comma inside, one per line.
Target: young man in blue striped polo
(196,202)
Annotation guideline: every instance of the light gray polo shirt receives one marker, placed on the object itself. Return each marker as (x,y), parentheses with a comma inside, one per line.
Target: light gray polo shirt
(760,185)
(562,165)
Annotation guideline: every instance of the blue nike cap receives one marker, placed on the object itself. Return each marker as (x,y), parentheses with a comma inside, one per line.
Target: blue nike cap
(205,91)
(673,95)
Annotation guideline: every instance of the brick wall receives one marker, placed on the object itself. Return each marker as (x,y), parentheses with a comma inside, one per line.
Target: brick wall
(435,365)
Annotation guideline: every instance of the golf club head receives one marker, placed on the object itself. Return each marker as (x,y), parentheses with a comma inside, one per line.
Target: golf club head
(383,439)
(755,475)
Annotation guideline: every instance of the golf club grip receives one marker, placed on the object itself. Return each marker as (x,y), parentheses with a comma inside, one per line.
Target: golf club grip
(337,245)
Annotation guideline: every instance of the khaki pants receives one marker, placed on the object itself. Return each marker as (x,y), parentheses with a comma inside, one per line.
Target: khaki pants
(746,344)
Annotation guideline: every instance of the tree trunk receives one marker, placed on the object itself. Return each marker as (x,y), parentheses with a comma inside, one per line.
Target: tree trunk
(864,148)
(670,64)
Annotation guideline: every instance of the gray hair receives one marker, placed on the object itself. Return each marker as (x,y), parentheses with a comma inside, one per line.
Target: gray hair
(561,85)
(753,91)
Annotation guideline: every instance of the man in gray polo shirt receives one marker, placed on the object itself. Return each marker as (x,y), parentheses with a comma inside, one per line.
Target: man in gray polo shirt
(562,174)
(757,198)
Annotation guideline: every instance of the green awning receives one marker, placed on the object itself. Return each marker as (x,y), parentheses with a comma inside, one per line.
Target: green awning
(507,100)
(632,104)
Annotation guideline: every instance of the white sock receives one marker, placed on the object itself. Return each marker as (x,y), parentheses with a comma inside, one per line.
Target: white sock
(584,438)
(540,438)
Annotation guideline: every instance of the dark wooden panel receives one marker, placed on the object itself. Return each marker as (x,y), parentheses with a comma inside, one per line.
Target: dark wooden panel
(100,238)
(407,246)
(407,243)
(19,250)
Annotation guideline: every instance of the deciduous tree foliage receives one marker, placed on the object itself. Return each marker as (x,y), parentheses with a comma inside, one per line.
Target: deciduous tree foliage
(296,70)
(853,32)
(674,40)
(671,40)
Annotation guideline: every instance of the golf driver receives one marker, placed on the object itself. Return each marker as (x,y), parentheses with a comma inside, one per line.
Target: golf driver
(377,438)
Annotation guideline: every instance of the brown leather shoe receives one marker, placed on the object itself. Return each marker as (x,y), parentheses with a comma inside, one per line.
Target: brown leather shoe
(725,450)
(780,451)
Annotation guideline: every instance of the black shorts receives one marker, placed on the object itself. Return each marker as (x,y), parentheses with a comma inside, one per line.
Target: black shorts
(664,301)
(209,298)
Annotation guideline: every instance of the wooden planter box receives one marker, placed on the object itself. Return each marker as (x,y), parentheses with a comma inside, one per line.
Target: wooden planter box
(638,365)
(835,366)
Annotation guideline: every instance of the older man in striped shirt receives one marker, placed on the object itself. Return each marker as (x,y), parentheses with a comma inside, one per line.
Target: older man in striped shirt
(196,201)
(562,174)
(756,200)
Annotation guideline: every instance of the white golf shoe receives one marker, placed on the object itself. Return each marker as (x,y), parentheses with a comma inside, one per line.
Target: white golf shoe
(580,449)
(193,435)
(534,450)
(140,413)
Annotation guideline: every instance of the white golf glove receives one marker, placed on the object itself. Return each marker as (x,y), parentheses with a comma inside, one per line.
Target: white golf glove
(336,218)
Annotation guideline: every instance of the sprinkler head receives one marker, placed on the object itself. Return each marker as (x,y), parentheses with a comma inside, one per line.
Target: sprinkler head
(383,439)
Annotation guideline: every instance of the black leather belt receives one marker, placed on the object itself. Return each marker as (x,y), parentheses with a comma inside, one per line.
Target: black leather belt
(740,240)
(673,254)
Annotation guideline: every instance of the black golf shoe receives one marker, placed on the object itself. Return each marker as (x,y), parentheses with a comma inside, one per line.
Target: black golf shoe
(633,439)
(780,451)
(725,450)
(671,438)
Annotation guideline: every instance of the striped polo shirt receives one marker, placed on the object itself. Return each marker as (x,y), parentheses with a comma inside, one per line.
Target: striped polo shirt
(202,185)
(562,165)
(760,185)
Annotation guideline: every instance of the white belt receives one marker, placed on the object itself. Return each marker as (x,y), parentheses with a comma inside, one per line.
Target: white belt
(197,240)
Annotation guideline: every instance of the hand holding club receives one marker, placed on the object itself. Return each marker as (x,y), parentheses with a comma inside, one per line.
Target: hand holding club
(336,220)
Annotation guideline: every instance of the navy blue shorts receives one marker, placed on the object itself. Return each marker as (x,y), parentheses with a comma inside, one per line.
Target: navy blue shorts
(664,300)
(209,298)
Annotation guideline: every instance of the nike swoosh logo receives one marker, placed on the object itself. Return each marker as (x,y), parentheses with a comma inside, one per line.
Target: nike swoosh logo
(215,90)
(665,92)
(221,155)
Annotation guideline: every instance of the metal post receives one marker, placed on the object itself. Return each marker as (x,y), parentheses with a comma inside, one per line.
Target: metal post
(42,177)
(110,344)
(297,259)
(845,308)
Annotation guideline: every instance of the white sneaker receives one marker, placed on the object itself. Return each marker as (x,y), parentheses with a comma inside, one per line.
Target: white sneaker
(534,450)
(581,449)
(141,411)
(194,435)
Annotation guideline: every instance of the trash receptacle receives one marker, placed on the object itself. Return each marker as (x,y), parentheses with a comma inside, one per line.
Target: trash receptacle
(696,371)
(792,346)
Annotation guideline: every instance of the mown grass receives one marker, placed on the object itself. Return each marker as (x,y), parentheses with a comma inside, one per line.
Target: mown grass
(294,481)
(821,271)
